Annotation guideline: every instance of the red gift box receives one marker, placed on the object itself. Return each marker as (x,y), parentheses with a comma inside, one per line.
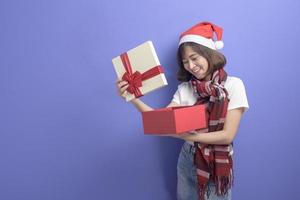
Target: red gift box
(174,120)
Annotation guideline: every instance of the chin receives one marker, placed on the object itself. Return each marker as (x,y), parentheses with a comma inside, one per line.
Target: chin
(199,77)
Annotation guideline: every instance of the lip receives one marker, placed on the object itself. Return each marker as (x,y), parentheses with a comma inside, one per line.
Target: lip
(195,71)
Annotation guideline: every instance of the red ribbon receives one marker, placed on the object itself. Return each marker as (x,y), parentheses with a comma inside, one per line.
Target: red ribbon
(135,79)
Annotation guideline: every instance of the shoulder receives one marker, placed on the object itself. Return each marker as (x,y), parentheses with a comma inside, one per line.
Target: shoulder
(232,80)
(232,83)
(185,94)
(185,86)
(236,93)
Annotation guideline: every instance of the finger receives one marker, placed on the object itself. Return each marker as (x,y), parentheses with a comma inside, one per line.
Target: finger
(205,130)
(124,94)
(123,89)
(193,132)
(122,84)
(119,80)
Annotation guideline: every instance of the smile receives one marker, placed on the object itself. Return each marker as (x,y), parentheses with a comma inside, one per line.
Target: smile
(196,69)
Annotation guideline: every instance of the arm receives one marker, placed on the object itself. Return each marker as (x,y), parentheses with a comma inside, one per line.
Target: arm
(173,104)
(122,91)
(139,104)
(224,136)
(142,107)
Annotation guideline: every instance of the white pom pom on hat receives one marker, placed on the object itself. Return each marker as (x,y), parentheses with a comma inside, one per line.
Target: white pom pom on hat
(203,33)
(219,44)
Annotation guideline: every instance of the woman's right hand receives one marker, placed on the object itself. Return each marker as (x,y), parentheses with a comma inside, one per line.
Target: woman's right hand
(122,88)
(122,91)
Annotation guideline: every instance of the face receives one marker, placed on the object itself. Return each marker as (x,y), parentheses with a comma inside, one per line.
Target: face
(194,63)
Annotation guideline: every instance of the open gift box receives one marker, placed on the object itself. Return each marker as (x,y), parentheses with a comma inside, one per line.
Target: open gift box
(174,120)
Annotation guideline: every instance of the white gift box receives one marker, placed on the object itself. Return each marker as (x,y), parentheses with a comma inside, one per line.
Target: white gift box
(143,62)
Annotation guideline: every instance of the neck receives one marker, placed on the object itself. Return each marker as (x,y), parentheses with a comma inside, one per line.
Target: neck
(207,78)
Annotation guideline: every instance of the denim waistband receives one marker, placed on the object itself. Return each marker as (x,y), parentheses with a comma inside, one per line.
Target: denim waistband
(190,147)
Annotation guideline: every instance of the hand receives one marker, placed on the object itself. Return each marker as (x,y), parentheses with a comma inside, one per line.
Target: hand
(205,130)
(180,136)
(122,88)
(169,135)
(193,132)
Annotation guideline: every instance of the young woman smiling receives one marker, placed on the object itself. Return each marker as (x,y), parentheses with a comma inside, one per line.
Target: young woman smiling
(205,164)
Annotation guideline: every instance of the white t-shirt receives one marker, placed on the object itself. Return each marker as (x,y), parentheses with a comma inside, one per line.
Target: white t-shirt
(186,96)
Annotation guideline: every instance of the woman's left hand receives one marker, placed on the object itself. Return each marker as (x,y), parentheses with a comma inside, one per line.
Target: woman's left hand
(199,131)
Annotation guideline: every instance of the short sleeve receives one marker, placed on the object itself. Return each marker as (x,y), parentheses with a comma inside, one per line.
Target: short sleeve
(176,96)
(237,96)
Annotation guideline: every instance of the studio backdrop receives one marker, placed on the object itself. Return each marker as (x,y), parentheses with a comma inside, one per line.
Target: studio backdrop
(65,134)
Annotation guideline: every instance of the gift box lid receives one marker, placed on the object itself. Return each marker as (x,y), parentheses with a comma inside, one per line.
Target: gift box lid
(141,58)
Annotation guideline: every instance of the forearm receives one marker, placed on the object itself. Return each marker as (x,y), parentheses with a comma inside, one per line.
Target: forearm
(224,136)
(141,106)
(217,137)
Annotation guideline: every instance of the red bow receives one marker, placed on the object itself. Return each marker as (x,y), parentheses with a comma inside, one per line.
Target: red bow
(135,81)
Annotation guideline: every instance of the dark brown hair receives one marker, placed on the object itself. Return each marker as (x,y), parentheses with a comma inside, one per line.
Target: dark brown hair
(215,60)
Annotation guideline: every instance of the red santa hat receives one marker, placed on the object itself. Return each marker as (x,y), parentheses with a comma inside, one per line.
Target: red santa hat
(203,33)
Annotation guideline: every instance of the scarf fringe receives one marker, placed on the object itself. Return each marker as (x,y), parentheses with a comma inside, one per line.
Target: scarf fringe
(201,192)
(223,184)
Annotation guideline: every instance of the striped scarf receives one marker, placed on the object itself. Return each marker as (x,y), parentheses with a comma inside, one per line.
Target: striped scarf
(213,162)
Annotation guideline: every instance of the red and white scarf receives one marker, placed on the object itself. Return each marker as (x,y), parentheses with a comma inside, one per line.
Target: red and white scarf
(213,162)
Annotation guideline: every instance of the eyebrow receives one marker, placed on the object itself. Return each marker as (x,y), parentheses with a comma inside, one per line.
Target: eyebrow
(194,54)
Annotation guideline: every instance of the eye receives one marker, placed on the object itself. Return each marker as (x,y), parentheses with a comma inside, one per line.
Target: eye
(184,62)
(195,58)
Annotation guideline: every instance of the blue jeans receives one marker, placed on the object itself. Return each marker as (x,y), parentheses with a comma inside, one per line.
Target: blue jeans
(186,177)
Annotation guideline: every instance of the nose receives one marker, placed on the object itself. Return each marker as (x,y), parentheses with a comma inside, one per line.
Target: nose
(191,65)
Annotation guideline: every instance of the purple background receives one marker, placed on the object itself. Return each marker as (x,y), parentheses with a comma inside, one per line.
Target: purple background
(66,135)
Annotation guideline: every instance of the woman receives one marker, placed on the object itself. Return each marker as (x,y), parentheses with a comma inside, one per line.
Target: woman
(204,169)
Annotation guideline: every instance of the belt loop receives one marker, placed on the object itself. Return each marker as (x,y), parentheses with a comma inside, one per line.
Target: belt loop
(192,149)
